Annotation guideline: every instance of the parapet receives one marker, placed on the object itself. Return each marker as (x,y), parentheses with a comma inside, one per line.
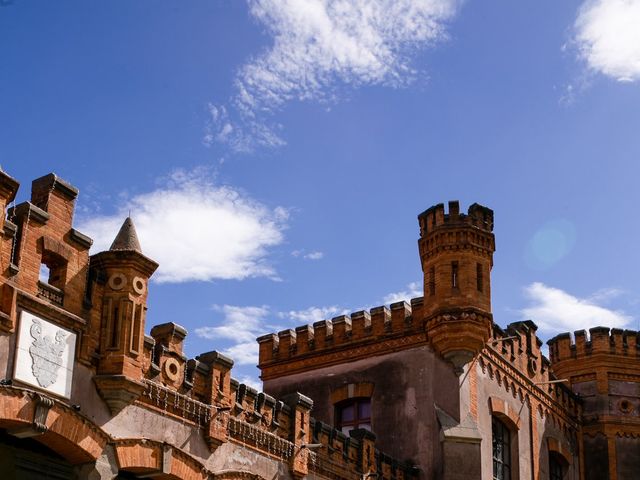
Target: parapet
(518,348)
(344,338)
(39,233)
(601,340)
(201,392)
(435,217)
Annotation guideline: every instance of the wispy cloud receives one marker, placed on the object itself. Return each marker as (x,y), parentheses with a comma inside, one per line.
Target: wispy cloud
(314,255)
(318,47)
(251,382)
(312,314)
(555,310)
(414,289)
(242,325)
(197,230)
(607,36)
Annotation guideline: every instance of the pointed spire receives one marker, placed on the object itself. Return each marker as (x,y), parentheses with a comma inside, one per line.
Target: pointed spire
(127,238)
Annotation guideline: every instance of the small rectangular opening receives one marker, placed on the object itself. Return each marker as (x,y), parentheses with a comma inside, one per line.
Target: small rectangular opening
(115,328)
(432,281)
(135,329)
(454,274)
(479,277)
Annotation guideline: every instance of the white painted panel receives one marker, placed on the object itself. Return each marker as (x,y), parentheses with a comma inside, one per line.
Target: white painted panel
(44,355)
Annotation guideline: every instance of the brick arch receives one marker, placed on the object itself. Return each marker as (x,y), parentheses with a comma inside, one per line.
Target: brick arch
(504,411)
(143,456)
(352,390)
(560,447)
(50,422)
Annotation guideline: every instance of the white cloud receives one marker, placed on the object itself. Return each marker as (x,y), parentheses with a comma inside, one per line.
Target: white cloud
(314,255)
(604,295)
(312,314)
(197,230)
(243,135)
(319,46)
(555,310)
(607,35)
(243,353)
(242,325)
(252,382)
(413,290)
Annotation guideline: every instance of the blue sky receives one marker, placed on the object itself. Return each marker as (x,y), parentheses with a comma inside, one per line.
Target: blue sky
(275,154)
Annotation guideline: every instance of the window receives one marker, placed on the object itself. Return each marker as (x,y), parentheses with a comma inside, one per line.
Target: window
(353,413)
(432,281)
(501,450)
(135,328)
(479,276)
(454,274)
(556,470)
(53,270)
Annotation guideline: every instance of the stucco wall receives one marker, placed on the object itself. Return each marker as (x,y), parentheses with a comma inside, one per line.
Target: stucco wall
(407,384)
(530,443)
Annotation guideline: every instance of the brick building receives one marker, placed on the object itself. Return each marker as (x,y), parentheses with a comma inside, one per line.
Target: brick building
(430,389)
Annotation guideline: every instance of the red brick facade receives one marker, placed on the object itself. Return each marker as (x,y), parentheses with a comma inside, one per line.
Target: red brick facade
(436,375)
(138,406)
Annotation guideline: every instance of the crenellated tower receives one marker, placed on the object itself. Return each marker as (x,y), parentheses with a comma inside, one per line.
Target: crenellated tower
(124,304)
(456,252)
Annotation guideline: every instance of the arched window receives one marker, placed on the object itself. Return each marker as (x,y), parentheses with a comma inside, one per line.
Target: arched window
(353,413)
(501,440)
(556,466)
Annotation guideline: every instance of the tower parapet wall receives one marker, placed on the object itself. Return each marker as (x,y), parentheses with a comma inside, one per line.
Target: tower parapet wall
(614,342)
(345,338)
(435,217)
(604,356)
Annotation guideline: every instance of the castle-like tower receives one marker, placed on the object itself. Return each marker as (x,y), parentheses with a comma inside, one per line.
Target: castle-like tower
(603,368)
(456,252)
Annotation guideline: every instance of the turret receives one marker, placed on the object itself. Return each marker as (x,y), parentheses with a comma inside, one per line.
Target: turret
(456,252)
(127,272)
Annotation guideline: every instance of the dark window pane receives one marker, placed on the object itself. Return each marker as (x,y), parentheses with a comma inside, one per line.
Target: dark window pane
(364,410)
(347,413)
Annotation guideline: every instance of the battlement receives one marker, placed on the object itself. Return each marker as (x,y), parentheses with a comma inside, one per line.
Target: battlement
(520,346)
(201,391)
(42,255)
(435,217)
(375,328)
(355,452)
(601,340)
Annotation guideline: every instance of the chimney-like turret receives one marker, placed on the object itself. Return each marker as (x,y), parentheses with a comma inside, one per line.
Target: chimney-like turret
(124,307)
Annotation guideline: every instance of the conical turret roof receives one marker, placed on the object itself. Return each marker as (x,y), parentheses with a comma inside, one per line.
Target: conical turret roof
(127,238)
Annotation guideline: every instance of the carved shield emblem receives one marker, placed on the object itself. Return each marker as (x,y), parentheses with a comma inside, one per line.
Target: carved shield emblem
(46,354)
